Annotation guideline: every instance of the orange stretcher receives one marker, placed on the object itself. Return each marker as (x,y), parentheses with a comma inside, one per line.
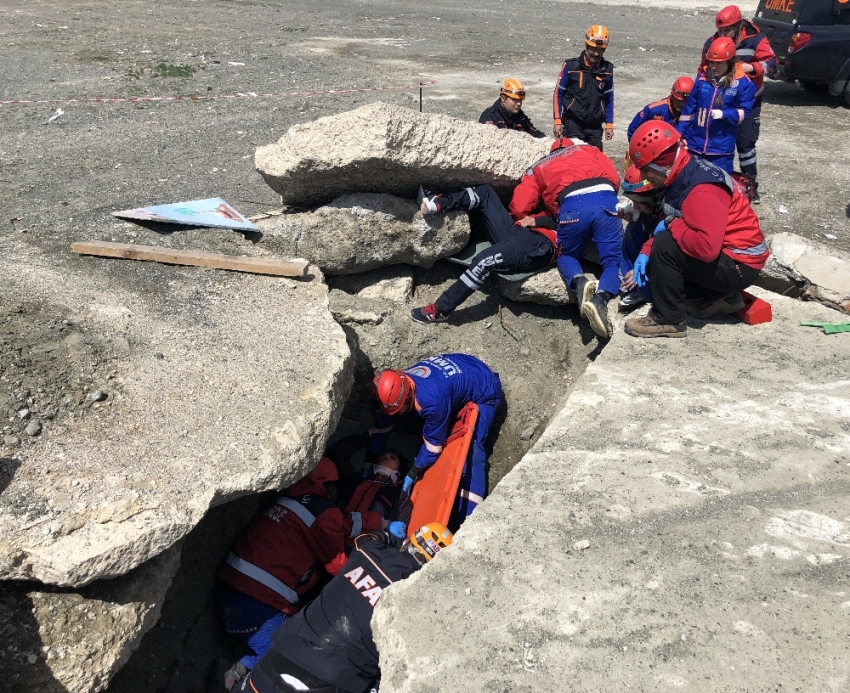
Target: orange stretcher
(434,494)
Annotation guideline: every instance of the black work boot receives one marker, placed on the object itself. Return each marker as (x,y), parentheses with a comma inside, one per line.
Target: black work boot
(595,311)
(756,199)
(583,289)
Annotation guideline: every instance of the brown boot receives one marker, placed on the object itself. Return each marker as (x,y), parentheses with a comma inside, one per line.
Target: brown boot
(648,327)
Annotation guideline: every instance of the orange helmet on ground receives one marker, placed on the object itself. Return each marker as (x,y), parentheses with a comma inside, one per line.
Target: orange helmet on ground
(427,541)
(721,50)
(392,389)
(597,36)
(682,88)
(651,140)
(728,16)
(513,88)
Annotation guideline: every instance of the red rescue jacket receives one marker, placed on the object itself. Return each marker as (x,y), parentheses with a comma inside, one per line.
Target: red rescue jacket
(552,174)
(282,553)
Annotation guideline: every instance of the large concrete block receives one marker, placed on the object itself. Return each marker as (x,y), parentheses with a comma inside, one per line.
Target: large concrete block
(383,148)
(810,269)
(224,384)
(682,524)
(357,233)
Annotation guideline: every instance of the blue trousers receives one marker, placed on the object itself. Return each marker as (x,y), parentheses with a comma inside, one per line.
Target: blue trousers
(587,216)
(635,236)
(473,480)
(250,621)
(724,161)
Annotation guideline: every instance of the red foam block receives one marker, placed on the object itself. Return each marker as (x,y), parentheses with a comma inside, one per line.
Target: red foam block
(755,311)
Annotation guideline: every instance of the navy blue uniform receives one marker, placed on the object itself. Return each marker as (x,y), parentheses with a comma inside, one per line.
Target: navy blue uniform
(498,116)
(658,110)
(443,385)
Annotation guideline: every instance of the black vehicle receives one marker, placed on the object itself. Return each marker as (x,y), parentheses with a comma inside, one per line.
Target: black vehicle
(811,39)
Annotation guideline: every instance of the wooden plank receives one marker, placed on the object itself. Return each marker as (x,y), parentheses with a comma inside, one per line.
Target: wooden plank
(194,258)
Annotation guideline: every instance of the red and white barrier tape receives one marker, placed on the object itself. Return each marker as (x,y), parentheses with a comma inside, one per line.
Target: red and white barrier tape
(209,97)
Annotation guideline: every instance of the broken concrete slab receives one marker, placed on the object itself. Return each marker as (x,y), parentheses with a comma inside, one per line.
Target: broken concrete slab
(189,421)
(389,149)
(75,642)
(546,288)
(798,266)
(709,476)
(357,233)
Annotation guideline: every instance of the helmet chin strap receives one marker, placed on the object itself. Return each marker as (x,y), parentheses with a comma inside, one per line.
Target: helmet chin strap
(667,171)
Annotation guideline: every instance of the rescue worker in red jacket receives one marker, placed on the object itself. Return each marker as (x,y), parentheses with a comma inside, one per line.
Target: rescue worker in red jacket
(576,184)
(757,60)
(283,554)
(328,647)
(709,247)
(507,113)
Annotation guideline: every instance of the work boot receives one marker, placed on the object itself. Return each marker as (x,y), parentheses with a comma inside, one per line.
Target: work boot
(595,311)
(430,202)
(630,301)
(648,326)
(756,198)
(428,314)
(584,289)
(707,308)
(234,675)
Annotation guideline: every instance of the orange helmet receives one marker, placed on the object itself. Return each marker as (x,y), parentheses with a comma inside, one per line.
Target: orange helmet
(392,389)
(651,140)
(513,88)
(427,541)
(682,88)
(728,16)
(597,36)
(721,50)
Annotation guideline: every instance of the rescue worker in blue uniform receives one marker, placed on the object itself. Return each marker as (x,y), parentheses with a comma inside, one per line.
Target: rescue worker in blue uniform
(721,100)
(757,60)
(437,388)
(328,647)
(668,109)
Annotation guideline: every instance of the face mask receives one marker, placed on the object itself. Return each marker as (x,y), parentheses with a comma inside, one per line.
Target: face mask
(386,471)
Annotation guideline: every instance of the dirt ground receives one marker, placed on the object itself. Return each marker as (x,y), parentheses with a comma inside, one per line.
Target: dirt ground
(61,180)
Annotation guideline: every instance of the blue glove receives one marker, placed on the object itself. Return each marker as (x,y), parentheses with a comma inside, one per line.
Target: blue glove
(639,275)
(407,485)
(398,529)
(662,226)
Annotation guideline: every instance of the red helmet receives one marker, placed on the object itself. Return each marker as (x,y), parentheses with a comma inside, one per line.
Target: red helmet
(314,482)
(634,182)
(392,390)
(721,50)
(651,139)
(682,88)
(561,143)
(728,16)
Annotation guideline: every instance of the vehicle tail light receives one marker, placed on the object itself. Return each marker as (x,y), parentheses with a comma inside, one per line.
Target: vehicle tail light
(798,40)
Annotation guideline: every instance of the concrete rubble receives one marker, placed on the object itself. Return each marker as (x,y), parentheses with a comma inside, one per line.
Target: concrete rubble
(666,531)
(220,389)
(382,148)
(799,266)
(546,288)
(53,654)
(357,233)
